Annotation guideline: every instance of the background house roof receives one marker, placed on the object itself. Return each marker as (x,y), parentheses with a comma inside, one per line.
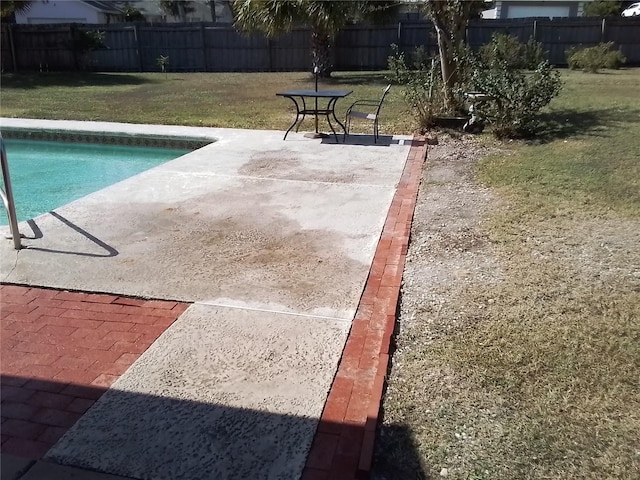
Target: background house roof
(105,7)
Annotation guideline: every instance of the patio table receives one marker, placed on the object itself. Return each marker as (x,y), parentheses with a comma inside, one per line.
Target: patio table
(300,97)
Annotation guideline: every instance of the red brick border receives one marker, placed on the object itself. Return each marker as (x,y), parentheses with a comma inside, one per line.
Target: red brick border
(60,351)
(343,444)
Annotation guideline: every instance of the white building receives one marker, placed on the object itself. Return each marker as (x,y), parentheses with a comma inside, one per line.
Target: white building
(548,8)
(93,11)
(70,11)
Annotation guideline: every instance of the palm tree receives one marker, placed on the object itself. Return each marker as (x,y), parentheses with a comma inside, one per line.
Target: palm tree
(131,13)
(326,19)
(9,8)
(177,8)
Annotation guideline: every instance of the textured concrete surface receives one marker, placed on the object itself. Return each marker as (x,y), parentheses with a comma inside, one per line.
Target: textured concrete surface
(223,393)
(51,471)
(249,220)
(12,467)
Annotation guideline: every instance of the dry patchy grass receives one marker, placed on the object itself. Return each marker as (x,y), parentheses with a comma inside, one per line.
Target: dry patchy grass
(518,350)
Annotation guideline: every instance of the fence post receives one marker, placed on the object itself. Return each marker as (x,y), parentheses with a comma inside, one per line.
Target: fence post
(74,53)
(137,40)
(602,36)
(204,47)
(535,30)
(12,46)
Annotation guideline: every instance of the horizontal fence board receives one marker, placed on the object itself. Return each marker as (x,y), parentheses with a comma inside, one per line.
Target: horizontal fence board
(214,48)
(480,32)
(625,33)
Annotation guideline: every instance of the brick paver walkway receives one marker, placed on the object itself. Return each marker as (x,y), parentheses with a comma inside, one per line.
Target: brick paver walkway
(343,445)
(60,351)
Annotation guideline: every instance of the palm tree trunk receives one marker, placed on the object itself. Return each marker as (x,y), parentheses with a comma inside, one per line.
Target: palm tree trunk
(321,53)
(182,12)
(212,8)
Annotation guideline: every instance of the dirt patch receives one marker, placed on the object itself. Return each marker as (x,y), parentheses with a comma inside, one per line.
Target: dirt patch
(273,163)
(249,251)
(281,164)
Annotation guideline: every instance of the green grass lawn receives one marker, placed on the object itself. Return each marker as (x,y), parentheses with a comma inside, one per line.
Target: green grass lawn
(588,154)
(230,100)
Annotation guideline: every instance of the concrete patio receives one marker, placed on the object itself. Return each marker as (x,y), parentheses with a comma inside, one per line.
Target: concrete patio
(271,242)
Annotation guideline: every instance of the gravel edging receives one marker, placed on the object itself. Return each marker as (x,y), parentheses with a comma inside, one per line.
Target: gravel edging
(448,252)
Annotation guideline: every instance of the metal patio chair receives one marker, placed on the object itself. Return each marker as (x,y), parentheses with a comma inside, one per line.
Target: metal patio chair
(371,115)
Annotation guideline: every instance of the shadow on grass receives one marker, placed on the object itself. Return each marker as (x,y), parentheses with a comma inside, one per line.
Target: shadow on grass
(360,78)
(30,81)
(396,455)
(348,78)
(342,80)
(560,124)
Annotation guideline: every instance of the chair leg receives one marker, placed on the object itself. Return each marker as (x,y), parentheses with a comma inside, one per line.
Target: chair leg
(347,127)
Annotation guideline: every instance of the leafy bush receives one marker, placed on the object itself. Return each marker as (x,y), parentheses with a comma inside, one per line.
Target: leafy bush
(84,41)
(514,75)
(602,8)
(421,84)
(507,49)
(163,62)
(592,59)
(517,96)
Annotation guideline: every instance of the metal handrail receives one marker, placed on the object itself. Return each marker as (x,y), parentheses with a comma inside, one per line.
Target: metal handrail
(7,197)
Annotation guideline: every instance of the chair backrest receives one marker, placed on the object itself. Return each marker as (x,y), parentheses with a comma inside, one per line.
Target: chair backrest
(384,94)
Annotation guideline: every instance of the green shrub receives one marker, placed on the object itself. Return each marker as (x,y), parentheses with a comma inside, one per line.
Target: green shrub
(517,96)
(615,60)
(602,8)
(420,84)
(507,49)
(592,59)
(515,75)
(163,62)
(519,82)
(85,41)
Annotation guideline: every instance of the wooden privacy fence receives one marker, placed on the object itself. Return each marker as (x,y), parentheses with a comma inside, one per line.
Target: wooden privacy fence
(211,48)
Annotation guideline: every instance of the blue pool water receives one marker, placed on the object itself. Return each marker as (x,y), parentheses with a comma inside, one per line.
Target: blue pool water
(47,175)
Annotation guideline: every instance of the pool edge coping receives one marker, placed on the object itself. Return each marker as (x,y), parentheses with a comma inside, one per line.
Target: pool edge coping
(162,136)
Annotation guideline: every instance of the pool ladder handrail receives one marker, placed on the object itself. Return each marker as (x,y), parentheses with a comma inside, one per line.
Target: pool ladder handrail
(7,197)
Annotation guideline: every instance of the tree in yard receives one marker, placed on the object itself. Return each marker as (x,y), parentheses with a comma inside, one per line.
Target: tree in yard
(602,8)
(177,8)
(9,8)
(212,9)
(516,79)
(450,19)
(132,14)
(325,18)
(215,6)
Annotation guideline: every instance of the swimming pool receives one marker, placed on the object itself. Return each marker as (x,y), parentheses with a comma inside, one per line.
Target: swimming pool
(46,175)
